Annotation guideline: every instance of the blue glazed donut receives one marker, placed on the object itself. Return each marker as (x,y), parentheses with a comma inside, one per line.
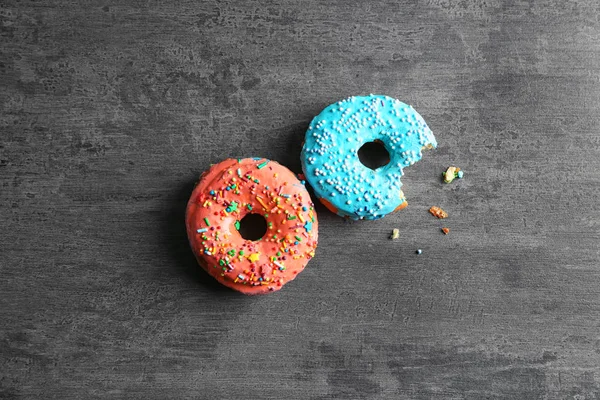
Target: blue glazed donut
(330,154)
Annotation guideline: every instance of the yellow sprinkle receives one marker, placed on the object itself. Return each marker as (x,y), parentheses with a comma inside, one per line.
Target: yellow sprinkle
(300,217)
(259,199)
(254,257)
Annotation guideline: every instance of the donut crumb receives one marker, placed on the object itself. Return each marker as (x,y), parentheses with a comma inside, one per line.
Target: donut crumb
(438,212)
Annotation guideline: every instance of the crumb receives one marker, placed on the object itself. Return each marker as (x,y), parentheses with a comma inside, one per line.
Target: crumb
(438,212)
(452,173)
(446,230)
(395,234)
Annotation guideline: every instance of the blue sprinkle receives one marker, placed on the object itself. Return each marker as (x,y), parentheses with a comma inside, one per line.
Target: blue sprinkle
(202,230)
(304,208)
(460,174)
(212,192)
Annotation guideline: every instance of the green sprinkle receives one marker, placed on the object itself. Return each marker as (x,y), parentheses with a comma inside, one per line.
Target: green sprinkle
(249,207)
(278,254)
(237,225)
(221,262)
(298,238)
(232,207)
(241,252)
(260,166)
(290,217)
(206,221)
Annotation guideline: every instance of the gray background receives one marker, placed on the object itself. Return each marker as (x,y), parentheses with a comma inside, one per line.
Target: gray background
(111,109)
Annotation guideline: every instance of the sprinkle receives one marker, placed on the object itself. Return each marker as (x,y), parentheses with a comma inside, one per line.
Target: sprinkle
(206,221)
(460,174)
(281,267)
(298,238)
(260,166)
(308,226)
(237,225)
(232,207)
(290,217)
(419,251)
(202,230)
(239,172)
(446,230)
(287,196)
(254,257)
(261,202)
(395,233)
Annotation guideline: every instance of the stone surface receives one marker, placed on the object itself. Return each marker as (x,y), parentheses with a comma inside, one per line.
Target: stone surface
(109,110)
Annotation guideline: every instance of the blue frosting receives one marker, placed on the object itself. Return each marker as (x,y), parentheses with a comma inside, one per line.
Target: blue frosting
(330,153)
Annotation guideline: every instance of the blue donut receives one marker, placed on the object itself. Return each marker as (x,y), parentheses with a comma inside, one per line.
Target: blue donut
(330,154)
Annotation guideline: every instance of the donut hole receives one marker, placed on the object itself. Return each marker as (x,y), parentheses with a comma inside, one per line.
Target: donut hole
(253,227)
(373,155)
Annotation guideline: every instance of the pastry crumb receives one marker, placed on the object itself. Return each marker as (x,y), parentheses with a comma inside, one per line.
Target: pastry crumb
(446,230)
(452,173)
(438,212)
(395,233)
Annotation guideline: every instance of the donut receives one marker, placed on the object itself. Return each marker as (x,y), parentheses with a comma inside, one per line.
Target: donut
(330,154)
(233,189)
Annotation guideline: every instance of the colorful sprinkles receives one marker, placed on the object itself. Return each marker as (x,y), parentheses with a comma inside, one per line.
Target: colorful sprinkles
(330,154)
(235,188)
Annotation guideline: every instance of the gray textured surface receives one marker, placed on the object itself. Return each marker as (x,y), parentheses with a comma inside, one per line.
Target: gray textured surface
(110,110)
